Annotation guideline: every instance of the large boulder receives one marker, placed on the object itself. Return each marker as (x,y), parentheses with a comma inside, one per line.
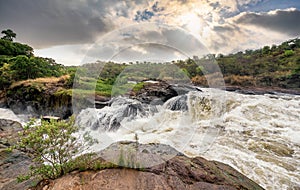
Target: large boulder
(154,92)
(158,91)
(177,172)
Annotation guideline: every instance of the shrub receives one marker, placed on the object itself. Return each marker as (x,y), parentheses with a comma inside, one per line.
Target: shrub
(53,146)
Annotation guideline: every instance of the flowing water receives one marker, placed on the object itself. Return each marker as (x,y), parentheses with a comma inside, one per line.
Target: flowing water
(259,135)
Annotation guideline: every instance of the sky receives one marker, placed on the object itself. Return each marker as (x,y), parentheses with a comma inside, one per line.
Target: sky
(79,31)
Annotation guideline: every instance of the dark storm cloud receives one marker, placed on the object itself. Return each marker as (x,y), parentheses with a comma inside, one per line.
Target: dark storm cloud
(46,23)
(282,21)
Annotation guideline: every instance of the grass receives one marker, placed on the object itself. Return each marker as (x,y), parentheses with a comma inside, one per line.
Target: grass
(138,86)
(30,82)
(89,86)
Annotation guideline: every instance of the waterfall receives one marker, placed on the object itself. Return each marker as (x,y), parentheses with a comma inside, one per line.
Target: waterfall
(256,134)
(178,103)
(110,117)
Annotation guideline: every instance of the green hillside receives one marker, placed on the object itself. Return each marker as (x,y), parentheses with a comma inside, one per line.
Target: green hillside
(275,66)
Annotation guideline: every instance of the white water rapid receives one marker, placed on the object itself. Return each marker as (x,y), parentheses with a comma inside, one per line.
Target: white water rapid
(259,135)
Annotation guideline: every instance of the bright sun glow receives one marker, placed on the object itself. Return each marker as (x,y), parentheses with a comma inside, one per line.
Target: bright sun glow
(192,22)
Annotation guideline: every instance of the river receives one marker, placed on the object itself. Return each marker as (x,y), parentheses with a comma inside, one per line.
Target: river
(259,135)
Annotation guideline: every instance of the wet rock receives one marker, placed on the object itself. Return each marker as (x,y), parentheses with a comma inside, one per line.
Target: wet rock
(102,101)
(110,117)
(9,131)
(13,164)
(154,92)
(178,103)
(184,89)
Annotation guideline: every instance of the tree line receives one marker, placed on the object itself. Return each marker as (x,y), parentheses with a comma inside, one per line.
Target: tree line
(17,62)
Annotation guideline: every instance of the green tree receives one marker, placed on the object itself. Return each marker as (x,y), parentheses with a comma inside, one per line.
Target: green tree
(10,48)
(5,76)
(53,146)
(8,35)
(22,68)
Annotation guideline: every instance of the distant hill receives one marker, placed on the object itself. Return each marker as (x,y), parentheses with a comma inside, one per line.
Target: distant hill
(271,66)
(275,66)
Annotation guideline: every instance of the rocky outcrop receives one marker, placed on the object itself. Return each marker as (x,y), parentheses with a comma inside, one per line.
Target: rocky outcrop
(179,172)
(47,96)
(154,92)
(12,163)
(158,91)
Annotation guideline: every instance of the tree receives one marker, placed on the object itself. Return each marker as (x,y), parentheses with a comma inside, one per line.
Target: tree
(22,68)
(5,76)
(9,35)
(53,146)
(10,48)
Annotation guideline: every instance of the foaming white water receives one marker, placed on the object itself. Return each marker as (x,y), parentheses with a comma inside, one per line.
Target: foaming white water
(261,139)
(8,114)
(258,135)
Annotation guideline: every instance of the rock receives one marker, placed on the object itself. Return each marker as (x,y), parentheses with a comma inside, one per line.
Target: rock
(184,89)
(102,101)
(38,97)
(154,92)
(109,118)
(178,172)
(49,118)
(177,103)
(12,163)
(9,131)
(9,127)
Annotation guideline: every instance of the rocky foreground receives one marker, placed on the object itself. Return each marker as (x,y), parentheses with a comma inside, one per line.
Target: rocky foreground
(15,163)
(179,172)
(172,171)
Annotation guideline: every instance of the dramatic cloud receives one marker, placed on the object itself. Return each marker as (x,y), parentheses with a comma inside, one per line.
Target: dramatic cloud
(144,42)
(222,26)
(284,21)
(45,23)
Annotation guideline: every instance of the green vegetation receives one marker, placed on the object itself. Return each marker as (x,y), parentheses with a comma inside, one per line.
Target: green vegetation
(8,35)
(17,62)
(275,66)
(270,66)
(54,149)
(52,146)
(138,86)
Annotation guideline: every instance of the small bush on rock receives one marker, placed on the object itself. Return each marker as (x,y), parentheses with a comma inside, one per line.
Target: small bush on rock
(52,146)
